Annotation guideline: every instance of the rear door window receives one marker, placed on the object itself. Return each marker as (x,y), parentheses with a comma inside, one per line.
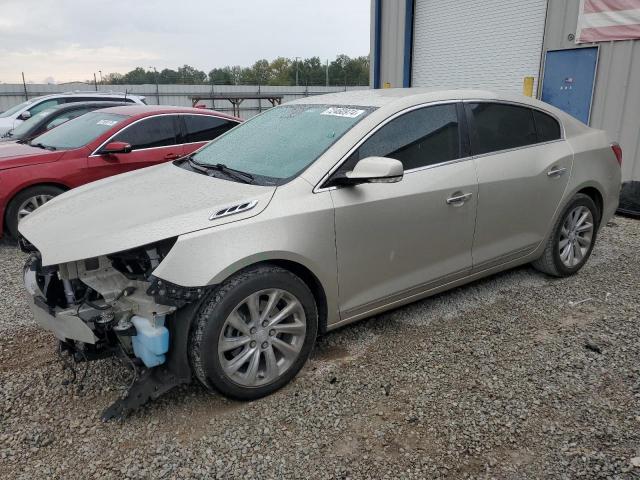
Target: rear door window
(498,126)
(202,128)
(547,127)
(159,131)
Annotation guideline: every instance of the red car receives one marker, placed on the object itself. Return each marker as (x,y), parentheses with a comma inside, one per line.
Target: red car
(97,145)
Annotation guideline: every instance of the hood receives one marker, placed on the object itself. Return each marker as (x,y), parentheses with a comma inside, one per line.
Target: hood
(6,124)
(135,209)
(14,154)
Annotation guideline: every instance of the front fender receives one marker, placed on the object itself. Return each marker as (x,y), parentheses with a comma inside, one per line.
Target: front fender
(297,227)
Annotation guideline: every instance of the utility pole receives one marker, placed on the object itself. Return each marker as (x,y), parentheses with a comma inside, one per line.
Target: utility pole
(95,81)
(24,84)
(327,73)
(157,86)
(100,72)
(297,63)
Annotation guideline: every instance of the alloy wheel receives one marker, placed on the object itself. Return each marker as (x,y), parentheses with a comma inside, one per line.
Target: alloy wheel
(262,337)
(576,236)
(32,203)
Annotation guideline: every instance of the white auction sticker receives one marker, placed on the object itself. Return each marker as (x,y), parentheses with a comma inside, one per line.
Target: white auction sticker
(108,123)
(343,112)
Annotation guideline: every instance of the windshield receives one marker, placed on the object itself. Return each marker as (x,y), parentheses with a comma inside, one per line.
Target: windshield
(27,125)
(12,110)
(283,141)
(79,131)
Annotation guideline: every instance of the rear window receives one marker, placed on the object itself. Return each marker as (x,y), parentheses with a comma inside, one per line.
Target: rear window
(79,131)
(500,127)
(548,127)
(202,128)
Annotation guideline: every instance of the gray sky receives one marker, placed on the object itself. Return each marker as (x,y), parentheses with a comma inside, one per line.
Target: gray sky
(69,40)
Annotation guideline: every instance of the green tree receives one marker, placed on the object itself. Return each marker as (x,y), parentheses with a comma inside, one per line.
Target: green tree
(221,76)
(281,71)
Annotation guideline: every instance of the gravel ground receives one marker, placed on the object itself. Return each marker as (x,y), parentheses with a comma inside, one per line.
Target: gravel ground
(515,376)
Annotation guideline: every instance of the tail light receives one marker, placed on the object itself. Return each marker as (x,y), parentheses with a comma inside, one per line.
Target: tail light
(617,151)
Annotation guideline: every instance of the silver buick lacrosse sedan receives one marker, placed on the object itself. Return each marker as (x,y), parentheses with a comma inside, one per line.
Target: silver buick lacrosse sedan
(226,265)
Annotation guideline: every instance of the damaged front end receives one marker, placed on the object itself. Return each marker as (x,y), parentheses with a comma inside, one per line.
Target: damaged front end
(112,305)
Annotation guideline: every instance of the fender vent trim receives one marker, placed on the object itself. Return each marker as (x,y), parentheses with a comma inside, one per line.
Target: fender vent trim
(233,209)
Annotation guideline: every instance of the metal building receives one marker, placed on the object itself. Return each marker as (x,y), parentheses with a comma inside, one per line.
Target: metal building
(497,44)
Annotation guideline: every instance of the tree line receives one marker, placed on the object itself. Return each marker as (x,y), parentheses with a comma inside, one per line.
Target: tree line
(344,70)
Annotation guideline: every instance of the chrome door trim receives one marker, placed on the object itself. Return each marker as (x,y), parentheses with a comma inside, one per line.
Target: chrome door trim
(96,154)
(319,189)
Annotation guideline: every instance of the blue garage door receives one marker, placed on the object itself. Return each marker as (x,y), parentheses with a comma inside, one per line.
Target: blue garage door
(568,80)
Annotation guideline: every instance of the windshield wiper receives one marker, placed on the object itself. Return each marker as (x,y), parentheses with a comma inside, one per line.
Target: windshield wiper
(221,167)
(41,145)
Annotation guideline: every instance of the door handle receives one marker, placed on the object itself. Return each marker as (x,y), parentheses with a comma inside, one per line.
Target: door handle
(556,172)
(459,198)
(171,156)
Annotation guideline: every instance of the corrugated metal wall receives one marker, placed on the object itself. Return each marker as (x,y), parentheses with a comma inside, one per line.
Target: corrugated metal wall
(462,44)
(178,95)
(616,100)
(392,51)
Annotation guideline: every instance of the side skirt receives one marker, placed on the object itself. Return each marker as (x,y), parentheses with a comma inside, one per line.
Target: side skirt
(431,290)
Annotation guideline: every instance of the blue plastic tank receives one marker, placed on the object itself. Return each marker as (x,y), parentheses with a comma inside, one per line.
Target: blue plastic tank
(151,342)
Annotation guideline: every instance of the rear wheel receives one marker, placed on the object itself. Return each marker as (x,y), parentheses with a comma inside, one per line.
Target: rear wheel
(25,202)
(572,239)
(254,333)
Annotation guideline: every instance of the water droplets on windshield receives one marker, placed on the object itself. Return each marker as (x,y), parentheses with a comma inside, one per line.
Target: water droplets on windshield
(283,141)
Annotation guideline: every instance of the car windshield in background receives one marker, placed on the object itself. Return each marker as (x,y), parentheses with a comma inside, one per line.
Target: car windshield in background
(25,126)
(283,141)
(12,110)
(79,131)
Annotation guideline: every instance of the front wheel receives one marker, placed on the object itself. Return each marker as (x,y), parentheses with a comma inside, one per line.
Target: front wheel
(25,202)
(572,239)
(254,333)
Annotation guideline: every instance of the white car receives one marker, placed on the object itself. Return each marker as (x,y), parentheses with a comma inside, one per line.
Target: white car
(14,116)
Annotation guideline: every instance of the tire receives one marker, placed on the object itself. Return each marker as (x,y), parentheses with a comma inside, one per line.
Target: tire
(214,333)
(552,262)
(40,193)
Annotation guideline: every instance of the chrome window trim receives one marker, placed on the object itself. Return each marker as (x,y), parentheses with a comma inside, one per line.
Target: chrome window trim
(319,189)
(96,154)
(525,105)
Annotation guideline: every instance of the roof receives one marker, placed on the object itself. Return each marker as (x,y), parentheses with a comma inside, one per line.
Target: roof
(88,93)
(388,96)
(90,103)
(136,109)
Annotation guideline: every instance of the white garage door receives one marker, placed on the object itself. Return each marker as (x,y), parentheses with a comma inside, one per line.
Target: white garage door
(490,44)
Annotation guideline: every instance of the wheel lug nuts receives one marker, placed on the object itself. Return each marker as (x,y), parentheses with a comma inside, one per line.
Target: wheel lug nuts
(253,330)
(265,344)
(272,332)
(252,344)
(265,323)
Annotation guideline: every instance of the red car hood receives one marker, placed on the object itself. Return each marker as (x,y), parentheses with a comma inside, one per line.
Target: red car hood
(19,154)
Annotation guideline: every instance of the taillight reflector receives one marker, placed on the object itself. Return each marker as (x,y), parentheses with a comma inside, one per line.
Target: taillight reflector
(617,150)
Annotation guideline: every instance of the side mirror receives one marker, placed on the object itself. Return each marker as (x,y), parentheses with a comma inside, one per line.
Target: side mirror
(373,170)
(116,147)
(26,115)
